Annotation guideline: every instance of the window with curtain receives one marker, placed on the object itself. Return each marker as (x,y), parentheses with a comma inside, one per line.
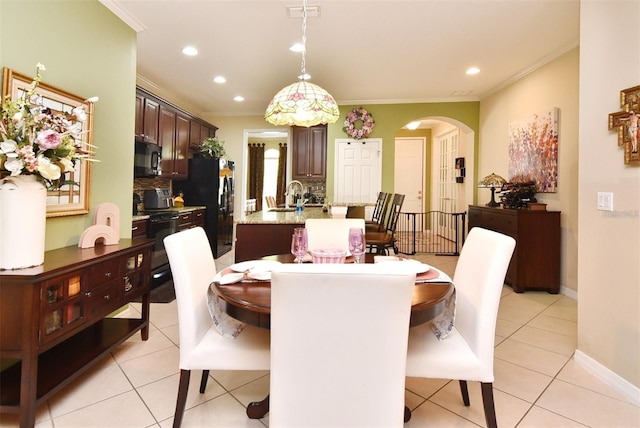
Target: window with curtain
(256,173)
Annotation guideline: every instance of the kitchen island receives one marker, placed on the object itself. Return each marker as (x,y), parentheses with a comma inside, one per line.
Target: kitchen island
(265,233)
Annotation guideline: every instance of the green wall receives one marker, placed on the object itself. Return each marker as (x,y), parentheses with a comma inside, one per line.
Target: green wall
(389,119)
(87,51)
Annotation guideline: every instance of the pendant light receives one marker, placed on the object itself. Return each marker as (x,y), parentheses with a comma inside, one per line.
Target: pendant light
(302,103)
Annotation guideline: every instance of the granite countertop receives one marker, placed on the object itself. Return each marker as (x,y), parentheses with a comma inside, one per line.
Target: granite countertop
(352,204)
(290,217)
(176,209)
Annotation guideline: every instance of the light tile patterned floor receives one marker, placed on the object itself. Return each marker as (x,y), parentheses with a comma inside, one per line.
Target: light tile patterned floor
(537,384)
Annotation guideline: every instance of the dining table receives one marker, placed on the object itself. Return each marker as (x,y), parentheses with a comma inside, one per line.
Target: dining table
(249,301)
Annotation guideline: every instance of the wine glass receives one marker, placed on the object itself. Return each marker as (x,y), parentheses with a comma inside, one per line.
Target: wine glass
(299,243)
(357,243)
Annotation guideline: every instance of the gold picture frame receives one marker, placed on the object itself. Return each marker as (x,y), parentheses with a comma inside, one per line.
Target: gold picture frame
(69,199)
(625,122)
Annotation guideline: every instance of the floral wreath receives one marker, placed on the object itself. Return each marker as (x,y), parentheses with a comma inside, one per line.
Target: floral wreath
(358,114)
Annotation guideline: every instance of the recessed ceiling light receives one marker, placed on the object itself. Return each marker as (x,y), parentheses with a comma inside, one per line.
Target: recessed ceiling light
(473,70)
(238,98)
(413,125)
(190,50)
(297,47)
(219,79)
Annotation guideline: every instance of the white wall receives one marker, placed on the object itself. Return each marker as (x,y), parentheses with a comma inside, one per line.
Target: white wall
(553,85)
(609,253)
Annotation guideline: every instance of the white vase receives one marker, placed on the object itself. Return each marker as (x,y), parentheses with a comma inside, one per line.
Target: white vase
(23,217)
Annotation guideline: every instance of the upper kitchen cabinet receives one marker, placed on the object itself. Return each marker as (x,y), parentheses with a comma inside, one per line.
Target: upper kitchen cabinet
(173,129)
(174,140)
(147,117)
(309,154)
(200,132)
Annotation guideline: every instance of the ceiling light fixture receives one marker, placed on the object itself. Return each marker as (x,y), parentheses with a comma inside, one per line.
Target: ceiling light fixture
(238,98)
(219,79)
(302,103)
(413,125)
(190,51)
(473,70)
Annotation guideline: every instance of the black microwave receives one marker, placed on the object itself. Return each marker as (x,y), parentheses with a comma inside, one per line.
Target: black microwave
(147,160)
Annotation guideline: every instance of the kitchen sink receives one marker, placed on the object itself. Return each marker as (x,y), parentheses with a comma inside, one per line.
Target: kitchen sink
(282,210)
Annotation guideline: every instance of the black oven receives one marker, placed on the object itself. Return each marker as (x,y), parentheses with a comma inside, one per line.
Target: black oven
(160,225)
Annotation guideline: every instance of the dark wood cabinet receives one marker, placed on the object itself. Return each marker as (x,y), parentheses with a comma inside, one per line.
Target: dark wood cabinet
(535,264)
(147,116)
(273,239)
(309,155)
(189,219)
(54,320)
(173,129)
(139,229)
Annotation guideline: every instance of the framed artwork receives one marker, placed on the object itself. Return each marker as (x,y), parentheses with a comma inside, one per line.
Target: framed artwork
(71,198)
(533,150)
(626,123)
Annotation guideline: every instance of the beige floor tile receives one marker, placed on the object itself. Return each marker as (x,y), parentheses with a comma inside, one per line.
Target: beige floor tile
(518,381)
(160,396)
(135,347)
(539,418)
(221,412)
(509,409)
(432,415)
(506,328)
(152,367)
(100,382)
(423,387)
(577,375)
(588,407)
(558,343)
(252,391)
(516,313)
(163,314)
(531,357)
(125,410)
(232,379)
(565,308)
(172,333)
(556,325)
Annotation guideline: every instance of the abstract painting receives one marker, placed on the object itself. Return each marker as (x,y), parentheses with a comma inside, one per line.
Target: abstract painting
(533,150)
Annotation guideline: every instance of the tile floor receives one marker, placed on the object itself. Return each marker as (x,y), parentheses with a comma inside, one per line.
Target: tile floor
(537,383)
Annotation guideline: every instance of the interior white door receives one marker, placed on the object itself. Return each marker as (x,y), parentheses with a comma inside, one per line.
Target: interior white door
(409,172)
(358,170)
(447,186)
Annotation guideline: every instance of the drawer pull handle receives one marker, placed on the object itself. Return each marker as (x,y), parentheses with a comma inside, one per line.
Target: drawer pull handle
(133,229)
(88,294)
(107,274)
(107,297)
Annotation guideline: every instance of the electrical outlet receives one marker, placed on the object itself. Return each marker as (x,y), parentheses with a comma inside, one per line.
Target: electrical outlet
(605,201)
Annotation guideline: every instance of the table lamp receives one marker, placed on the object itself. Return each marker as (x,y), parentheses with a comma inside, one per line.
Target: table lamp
(492,180)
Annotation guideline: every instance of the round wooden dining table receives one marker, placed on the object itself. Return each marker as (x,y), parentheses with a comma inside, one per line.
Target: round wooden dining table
(250,302)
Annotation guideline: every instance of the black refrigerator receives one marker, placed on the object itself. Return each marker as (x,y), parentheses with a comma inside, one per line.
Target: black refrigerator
(211,184)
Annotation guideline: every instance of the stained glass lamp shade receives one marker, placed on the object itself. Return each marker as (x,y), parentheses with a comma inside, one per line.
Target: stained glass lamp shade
(492,181)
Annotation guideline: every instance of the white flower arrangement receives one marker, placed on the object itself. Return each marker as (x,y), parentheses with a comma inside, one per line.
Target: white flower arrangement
(355,115)
(37,141)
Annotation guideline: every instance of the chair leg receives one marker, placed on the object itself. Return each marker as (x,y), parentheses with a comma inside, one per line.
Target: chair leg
(465,392)
(489,407)
(181,401)
(203,381)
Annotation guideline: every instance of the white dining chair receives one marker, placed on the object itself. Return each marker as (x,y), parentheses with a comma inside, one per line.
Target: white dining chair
(338,345)
(202,347)
(466,354)
(323,233)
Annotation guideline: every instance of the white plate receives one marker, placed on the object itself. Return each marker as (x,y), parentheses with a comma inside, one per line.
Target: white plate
(414,265)
(255,265)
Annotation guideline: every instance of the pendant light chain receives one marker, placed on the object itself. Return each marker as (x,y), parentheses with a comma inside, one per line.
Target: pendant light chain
(303,68)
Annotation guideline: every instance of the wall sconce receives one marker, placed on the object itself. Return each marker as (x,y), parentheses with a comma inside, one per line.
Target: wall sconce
(492,181)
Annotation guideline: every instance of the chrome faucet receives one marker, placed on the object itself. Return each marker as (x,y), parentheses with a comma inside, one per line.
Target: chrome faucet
(289,188)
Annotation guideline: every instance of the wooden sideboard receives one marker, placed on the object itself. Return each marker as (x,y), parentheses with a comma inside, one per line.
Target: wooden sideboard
(535,264)
(54,321)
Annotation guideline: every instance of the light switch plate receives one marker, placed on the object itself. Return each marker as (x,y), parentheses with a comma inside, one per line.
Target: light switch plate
(605,201)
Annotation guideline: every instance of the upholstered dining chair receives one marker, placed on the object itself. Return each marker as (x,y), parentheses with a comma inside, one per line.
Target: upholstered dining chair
(380,242)
(330,232)
(338,345)
(202,347)
(466,354)
(376,224)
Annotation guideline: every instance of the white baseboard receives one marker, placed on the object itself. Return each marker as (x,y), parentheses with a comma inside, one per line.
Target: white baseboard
(618,383)
(569,292)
